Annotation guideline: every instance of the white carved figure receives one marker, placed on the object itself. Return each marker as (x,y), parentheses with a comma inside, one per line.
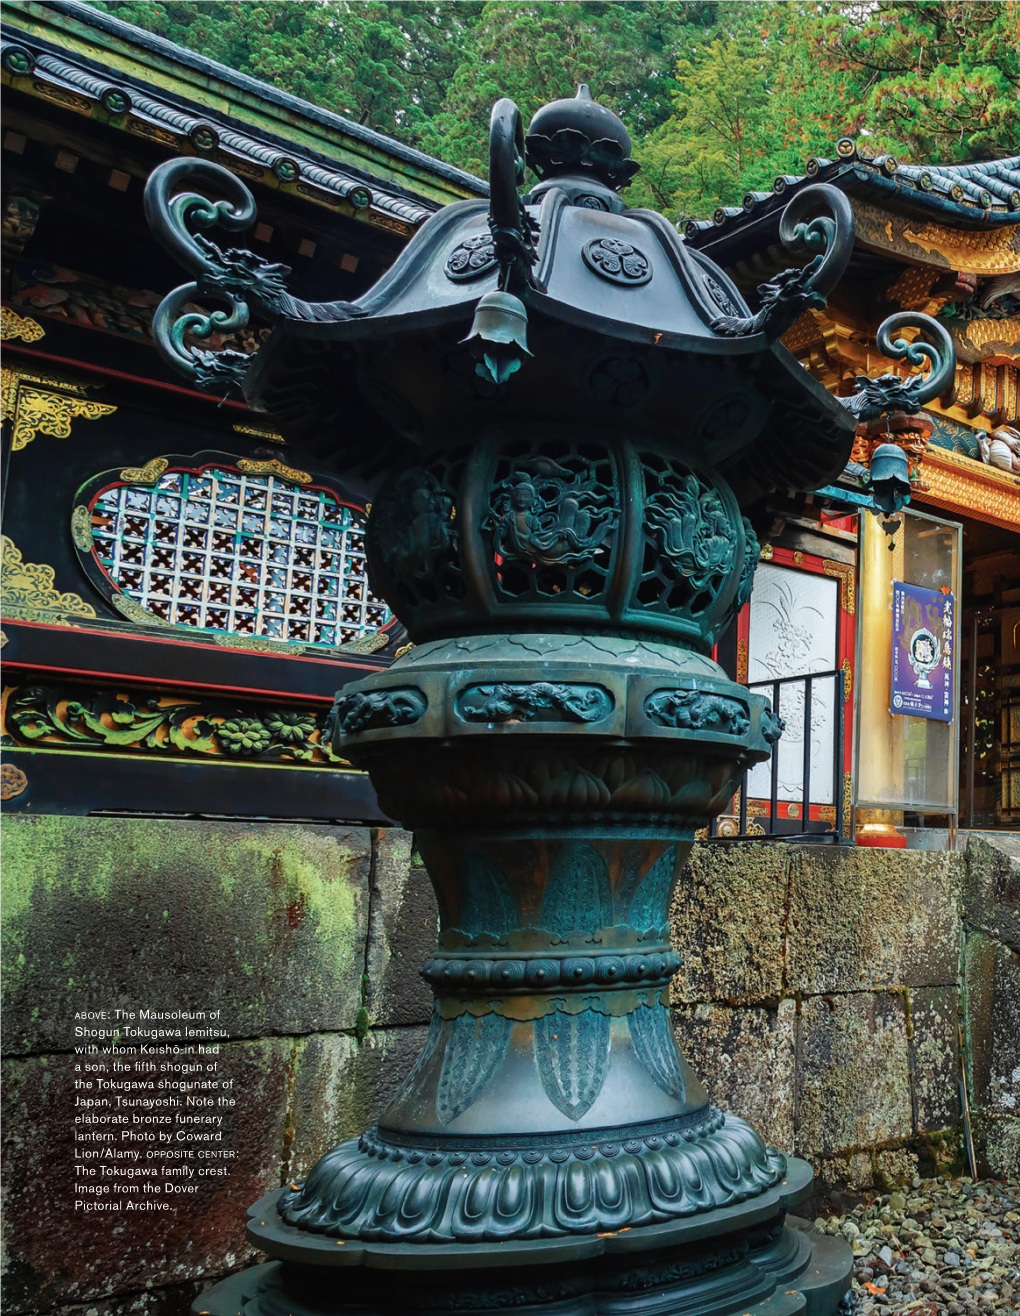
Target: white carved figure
(1004,449)
(1001,286)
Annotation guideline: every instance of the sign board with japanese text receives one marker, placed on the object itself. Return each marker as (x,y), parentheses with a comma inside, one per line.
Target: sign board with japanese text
(922,652)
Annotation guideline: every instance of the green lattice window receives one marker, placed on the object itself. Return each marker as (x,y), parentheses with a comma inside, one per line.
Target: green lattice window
(246,554)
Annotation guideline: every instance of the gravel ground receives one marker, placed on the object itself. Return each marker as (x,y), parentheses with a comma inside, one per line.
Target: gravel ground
(938,1247)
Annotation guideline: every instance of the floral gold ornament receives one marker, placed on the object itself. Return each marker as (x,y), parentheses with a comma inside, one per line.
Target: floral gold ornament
(13,325)
(274,467)
(13,782)
(28,592)
(44,403)
(48,715)
(148,474)
(848,680)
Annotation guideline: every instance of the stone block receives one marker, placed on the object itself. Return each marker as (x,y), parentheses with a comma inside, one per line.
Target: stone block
(853,1073)
(265,922)
(169,1300)
(992,1005)
(402,933)
(935,1055)
(745,1057)
(341,1087)
(855,1172)
(863,919)
(1002,1149)
(56,1253)
(992,892)
(727,921)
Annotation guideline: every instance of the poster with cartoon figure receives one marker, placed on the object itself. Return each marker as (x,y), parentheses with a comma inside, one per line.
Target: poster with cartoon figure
(922,652)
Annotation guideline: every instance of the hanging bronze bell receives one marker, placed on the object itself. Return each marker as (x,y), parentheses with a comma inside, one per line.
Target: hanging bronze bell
(499,336)
(889,484)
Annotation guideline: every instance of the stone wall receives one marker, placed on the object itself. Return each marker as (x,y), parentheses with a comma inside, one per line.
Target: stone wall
(820,998)
(991,998)
(280,926)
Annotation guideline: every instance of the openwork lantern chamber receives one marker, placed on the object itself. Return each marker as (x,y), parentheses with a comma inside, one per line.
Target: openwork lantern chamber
(568,419)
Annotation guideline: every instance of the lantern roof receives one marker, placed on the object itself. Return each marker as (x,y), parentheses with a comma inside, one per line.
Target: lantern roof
(626,324)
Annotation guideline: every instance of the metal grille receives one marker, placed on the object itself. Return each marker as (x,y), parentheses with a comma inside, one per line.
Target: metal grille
(244,554)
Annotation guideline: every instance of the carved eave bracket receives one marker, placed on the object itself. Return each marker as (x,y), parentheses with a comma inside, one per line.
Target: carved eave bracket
(240,278)
(891,394)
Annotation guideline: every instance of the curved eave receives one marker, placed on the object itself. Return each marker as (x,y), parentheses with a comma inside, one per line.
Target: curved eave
(757,223)
(407,324)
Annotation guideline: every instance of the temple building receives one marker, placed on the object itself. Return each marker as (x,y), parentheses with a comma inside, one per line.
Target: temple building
(945,241)
(152,537)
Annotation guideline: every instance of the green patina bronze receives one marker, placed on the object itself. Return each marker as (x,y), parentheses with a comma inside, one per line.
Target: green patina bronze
(570,422)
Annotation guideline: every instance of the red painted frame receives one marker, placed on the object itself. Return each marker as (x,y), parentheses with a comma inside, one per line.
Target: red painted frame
(846,643)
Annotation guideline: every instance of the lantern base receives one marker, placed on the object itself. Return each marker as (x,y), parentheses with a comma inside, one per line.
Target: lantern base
(744,1260)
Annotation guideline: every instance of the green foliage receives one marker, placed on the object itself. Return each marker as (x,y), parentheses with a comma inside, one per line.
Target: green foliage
(750,105)
(385,63)
(719,96)
(538,52)
(940,79)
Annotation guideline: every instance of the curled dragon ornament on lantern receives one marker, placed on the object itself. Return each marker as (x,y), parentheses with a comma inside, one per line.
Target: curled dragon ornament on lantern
(569,421)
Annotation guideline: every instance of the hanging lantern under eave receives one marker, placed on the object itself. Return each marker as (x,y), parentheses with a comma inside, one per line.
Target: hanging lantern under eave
(889,486)
(499,336)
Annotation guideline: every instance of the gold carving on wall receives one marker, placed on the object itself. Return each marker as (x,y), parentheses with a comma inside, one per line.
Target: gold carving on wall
(48,409)
(386,221)
(13,325)
(960,483)
(81,528)
(143,129)
(62,97)
(848,680)
(369,643)
(802,333)
(766,553)
(848,797)
(257,644)
(912,290)
(28,593)
(13,781)
(986,338)
(742,661)
(274,467)
(148,474)
(844,573)
(133,611)
(257,432)
(966,251)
